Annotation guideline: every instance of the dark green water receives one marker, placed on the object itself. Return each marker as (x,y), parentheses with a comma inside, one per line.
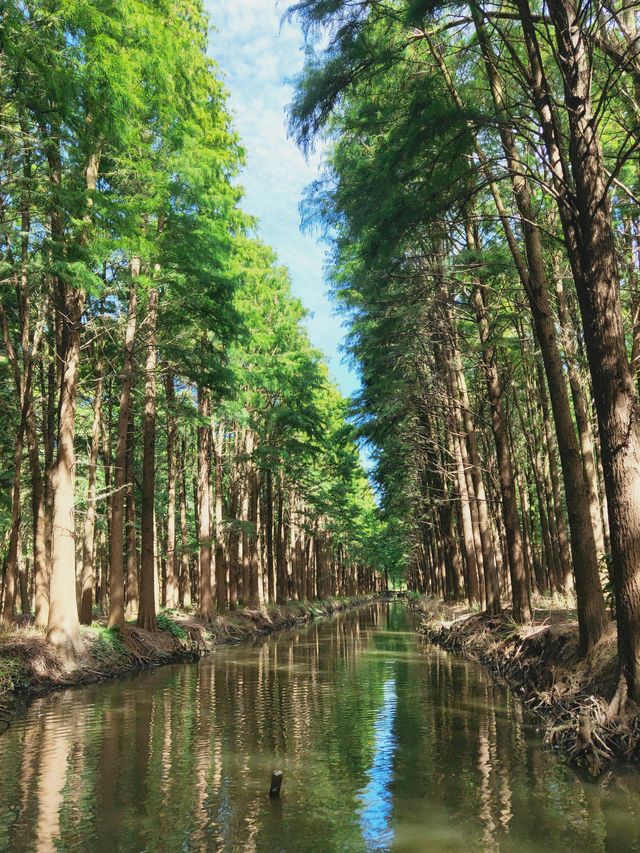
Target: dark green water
(386,744)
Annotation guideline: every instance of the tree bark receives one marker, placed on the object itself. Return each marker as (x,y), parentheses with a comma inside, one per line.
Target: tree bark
(171,595)
(133,596)
(88,540)
(63,626)
(148,576)
(204,506)
(222,591)
(116,533)
(519,587)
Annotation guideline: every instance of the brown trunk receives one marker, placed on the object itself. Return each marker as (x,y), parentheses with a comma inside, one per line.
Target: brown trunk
(269,536)
(204,505)
(591,612)
(116,537)
(254,565)
(63,626)
(148,577)
(244,504)
(234,539)
(593,262)
(88,540)
(132,537)
(492,592)
(185,581)
(281,564)
(583,421)
(519,588)
(171,594)
(40,567)
(473,582)
(222,592)
(11,570)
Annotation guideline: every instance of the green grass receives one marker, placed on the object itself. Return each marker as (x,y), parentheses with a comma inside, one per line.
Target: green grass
(165,623)
(12,675)
(108,647)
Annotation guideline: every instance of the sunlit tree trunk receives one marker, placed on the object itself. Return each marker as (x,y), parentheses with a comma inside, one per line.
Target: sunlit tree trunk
(171,596)
(204,505)
(116,532)
(148,575)
(88,541)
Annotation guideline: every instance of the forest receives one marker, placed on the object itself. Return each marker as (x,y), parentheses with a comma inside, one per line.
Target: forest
(180,469)
(169,437)
(481,198)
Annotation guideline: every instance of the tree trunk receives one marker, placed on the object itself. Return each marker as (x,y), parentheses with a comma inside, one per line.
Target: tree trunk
(222,592)
(148,577)
(185,581)
(132,536)
(269,536)
(171,595)
(492,590)
(88,540)
(593,262)
(591,611)
(204,506)
(519,587)
(254,564)
(63,626)
(116,533)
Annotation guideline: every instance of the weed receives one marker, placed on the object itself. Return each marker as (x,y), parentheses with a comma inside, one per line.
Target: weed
(165,623)
(12,675)
(108,647)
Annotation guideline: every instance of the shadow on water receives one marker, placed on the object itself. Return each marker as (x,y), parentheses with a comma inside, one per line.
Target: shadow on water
(385,743)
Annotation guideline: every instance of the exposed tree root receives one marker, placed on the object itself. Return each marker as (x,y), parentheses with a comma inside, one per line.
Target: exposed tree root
(28,664)
(541,664)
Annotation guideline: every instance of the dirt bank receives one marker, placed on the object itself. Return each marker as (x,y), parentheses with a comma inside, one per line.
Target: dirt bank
(28,665)
(540,663)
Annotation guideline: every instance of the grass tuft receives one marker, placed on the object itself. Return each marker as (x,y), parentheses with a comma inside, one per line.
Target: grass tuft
(165,623)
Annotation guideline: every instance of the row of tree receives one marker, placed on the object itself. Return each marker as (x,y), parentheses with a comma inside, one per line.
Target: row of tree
(482,197)
(170,437)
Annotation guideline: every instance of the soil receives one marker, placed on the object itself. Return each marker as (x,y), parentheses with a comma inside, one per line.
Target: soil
(575,697)
(29,666)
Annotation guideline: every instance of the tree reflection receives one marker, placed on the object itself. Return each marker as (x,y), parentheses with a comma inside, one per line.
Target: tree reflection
(385,744)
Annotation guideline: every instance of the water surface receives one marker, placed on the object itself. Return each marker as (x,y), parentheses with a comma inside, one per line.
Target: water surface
(387,744)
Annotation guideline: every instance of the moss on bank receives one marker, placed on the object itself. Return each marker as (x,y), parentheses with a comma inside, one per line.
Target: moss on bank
(541,664)
(29,665)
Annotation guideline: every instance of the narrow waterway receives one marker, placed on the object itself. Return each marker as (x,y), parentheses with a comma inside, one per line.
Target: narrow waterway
(386,744)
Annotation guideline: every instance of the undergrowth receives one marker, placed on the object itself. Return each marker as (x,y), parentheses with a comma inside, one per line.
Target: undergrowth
(108,647)
(166,623)
(12,675)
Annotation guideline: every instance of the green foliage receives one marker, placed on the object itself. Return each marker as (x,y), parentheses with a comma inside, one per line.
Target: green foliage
(108,647)
(166,623)
(12,675)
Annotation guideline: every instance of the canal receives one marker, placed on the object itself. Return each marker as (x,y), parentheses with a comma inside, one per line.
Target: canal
(386,743)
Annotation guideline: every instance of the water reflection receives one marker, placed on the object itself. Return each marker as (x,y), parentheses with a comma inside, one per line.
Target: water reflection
(385,744)
(377,802)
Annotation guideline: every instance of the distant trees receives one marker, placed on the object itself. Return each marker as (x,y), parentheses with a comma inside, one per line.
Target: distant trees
(170,425)
(482,197)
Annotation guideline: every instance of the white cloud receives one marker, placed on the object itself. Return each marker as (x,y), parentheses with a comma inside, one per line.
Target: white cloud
(257,56)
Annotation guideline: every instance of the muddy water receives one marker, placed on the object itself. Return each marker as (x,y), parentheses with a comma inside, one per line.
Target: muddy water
(385,743)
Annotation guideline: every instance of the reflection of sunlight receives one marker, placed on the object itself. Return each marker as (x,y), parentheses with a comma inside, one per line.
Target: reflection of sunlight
(375,816)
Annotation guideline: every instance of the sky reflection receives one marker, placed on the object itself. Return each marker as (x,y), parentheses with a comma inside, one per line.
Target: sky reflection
(376,798)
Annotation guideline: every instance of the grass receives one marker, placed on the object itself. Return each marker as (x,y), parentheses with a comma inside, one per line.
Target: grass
(166,623)
(108,647)
(12,675)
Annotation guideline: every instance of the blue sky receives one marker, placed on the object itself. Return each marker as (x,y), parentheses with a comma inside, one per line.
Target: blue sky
(257,56)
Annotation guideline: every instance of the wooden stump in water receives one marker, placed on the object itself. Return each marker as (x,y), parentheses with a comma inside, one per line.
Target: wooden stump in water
(276,784)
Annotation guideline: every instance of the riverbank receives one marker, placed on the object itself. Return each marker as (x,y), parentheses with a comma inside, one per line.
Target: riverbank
(28,665)
(572,696)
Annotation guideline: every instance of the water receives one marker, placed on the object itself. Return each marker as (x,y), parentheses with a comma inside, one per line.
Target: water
(385,743)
